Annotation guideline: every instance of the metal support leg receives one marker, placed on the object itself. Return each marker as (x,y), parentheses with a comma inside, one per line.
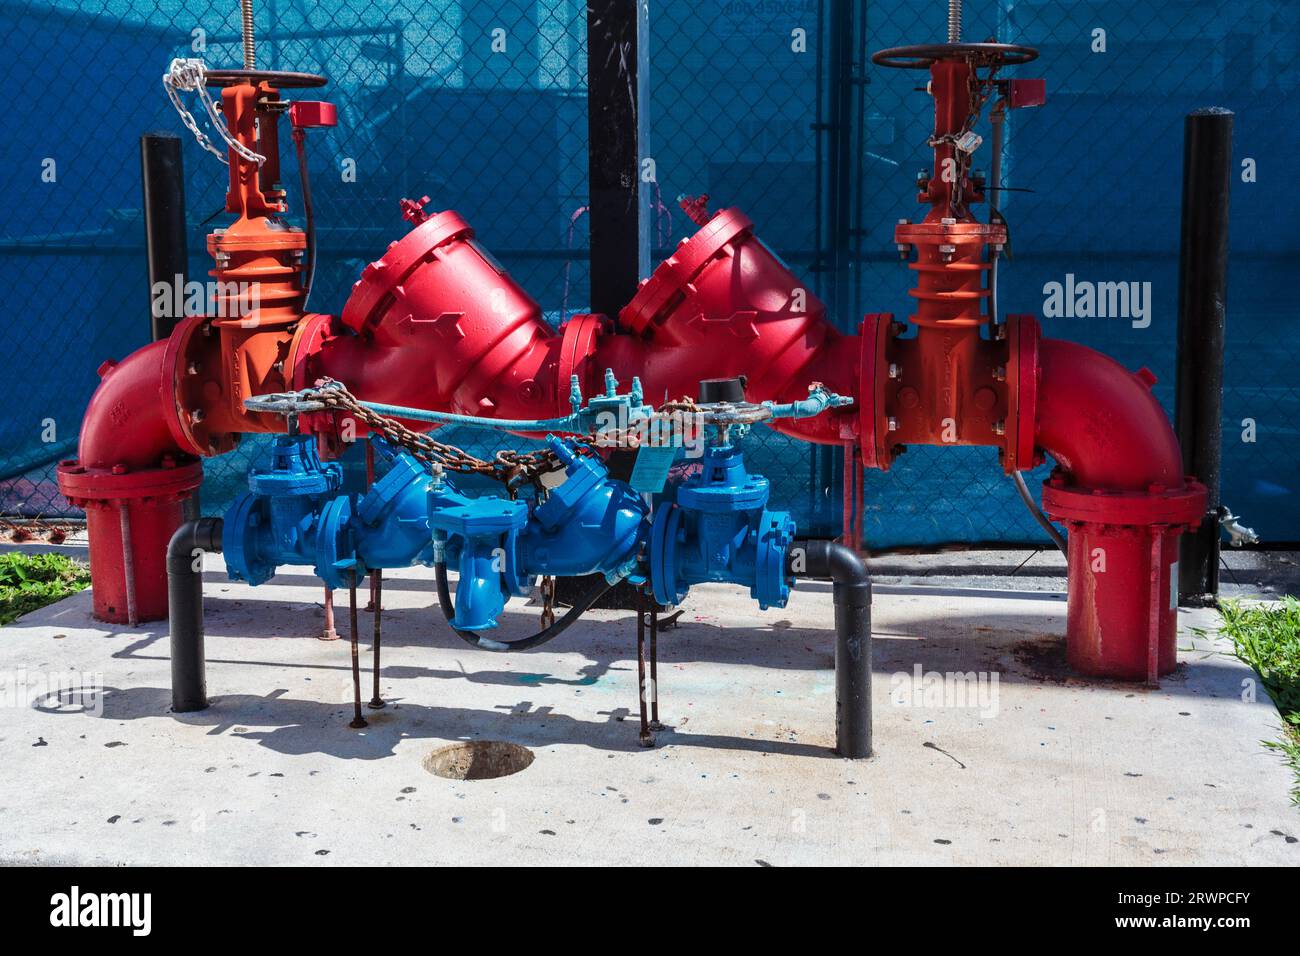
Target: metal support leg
(328,632)
(357,720)
(128,564)
(654,668)
(647,739)
(377,584)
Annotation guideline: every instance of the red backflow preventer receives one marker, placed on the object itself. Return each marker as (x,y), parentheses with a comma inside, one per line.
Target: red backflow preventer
(436,322)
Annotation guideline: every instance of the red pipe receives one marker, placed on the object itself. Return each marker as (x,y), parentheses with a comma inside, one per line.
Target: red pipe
(125,423)
(131,479)
(436,323)
(1120,490)
(1101,423)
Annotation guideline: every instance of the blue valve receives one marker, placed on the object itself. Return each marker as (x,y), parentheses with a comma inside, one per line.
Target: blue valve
(713,526)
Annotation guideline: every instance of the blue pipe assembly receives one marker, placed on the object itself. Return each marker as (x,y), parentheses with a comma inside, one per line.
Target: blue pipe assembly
(688,514)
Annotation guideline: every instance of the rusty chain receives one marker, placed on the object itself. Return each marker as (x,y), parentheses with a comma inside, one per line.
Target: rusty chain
(547,589)
(508,467)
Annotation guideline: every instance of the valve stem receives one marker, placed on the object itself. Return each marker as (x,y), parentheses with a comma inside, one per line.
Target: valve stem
(954,21)
(250,47)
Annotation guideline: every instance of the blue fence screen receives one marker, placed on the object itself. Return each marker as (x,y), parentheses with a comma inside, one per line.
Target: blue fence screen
(481,105)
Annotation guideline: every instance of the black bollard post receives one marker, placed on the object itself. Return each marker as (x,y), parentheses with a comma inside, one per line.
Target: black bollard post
(1202,312)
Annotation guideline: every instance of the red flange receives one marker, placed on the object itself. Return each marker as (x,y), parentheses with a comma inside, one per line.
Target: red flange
(873,421)
(130,518)
(660,292)
(1019,452)
(379,280)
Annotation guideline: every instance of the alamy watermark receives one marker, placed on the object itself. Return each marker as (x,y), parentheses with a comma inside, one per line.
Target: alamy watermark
(680,428)
(55,692)
(223,300)
(1083,299)
(974,690)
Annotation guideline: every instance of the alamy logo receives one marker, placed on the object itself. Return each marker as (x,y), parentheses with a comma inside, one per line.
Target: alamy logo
(1081,299)
(976,690)
(134,910)
(224,300)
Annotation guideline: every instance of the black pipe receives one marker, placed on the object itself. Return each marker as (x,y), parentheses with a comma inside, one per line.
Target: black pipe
(185,610)
(163,178)
(1202,315)
(483,643)
(618,220)
(852,597)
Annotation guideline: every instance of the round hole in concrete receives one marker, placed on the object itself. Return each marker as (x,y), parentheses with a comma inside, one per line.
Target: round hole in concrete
(478,760)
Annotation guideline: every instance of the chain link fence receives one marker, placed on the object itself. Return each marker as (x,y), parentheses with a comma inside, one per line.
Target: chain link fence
(765,105)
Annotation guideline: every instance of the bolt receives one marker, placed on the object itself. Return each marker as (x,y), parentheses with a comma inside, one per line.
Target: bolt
(1000,373)
(904,222)
(999,427)
(196,415)
(893,424)
(947,221)
(894,370)
(192,368)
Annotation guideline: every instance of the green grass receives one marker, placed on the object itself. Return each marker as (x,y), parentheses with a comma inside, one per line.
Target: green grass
(1268,639)
(31,581)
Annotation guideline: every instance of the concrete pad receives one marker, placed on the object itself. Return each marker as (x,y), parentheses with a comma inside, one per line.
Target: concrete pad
(1044,769)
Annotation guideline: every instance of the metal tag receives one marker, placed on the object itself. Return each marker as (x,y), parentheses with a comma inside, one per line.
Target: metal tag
(651,468)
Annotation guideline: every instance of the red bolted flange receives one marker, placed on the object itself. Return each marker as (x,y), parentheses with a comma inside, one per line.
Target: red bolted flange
(130,518)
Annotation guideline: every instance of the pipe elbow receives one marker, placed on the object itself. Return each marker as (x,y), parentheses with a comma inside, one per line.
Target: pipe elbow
(126,420)
(831,559)
(1102,423)
(202,534)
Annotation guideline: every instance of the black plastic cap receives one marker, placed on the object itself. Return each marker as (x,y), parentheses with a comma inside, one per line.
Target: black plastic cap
(722,390)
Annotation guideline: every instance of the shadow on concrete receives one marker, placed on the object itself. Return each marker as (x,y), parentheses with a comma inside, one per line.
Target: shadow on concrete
(293,726)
